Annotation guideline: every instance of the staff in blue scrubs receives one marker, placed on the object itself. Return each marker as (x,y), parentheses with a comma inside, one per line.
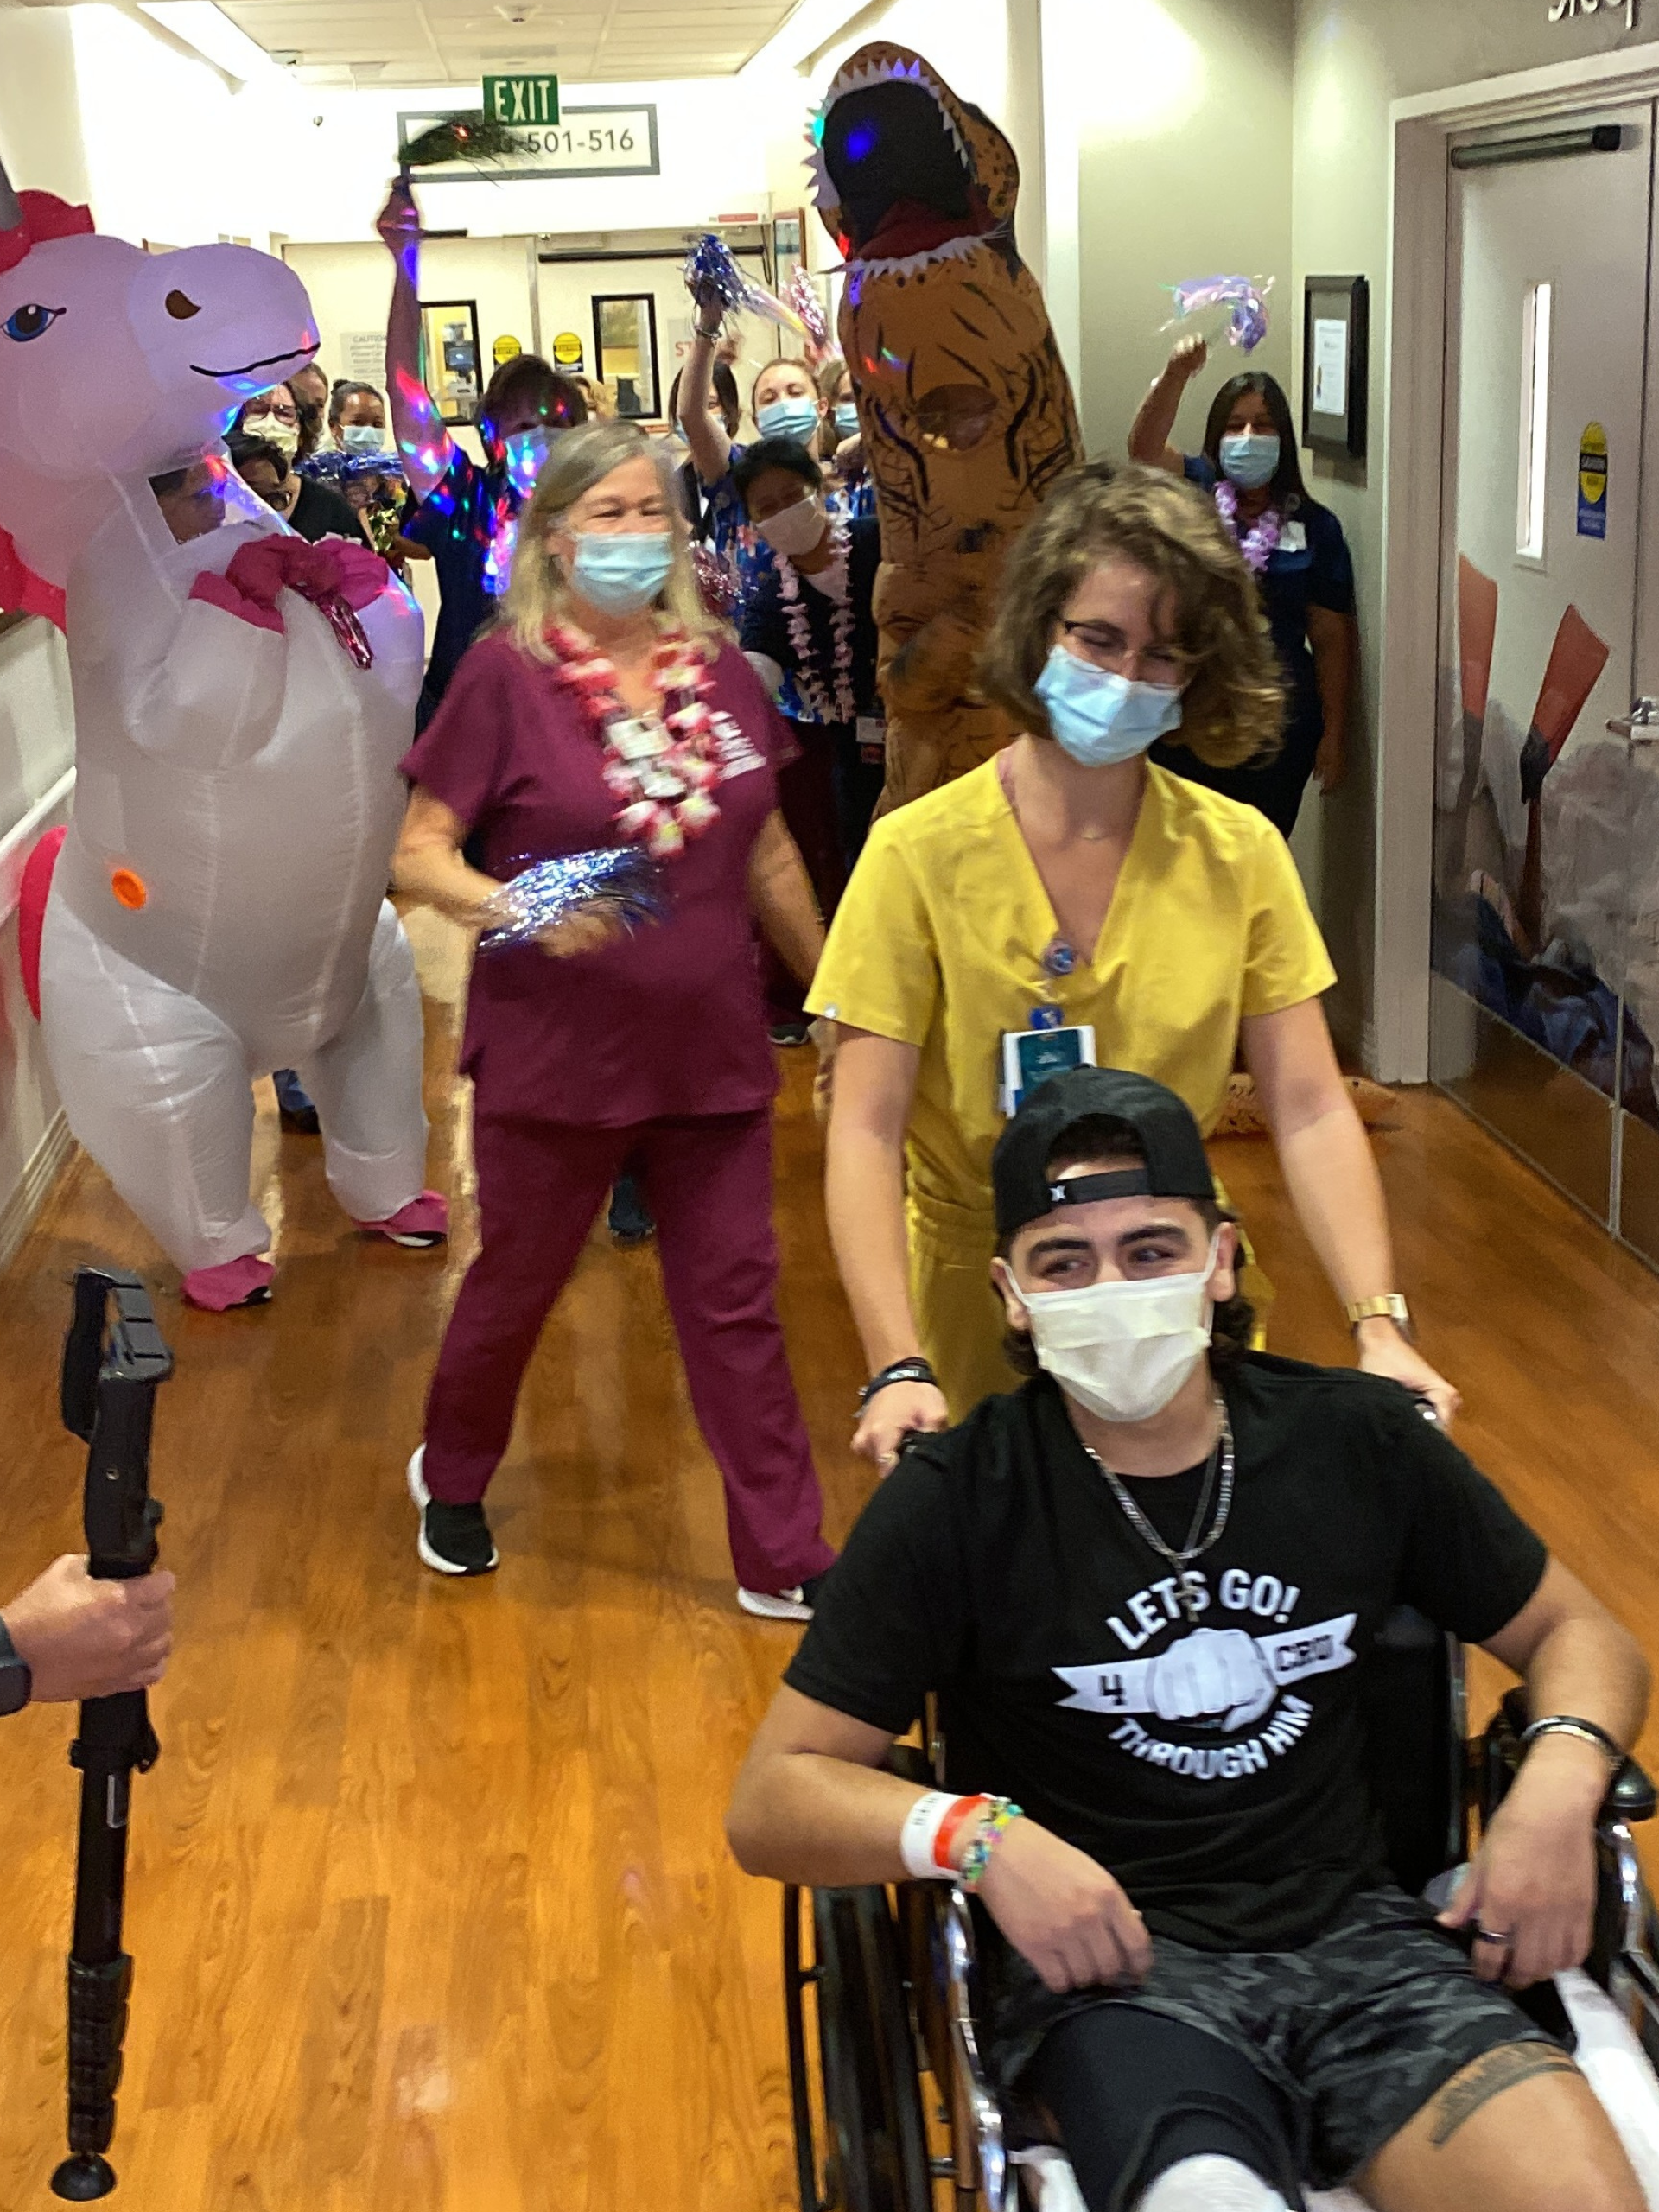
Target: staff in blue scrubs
(1248,465)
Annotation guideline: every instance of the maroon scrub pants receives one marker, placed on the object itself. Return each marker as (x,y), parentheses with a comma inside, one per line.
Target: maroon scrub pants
(707,1180)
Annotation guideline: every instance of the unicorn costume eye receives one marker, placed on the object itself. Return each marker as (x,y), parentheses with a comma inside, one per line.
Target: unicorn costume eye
(25,322)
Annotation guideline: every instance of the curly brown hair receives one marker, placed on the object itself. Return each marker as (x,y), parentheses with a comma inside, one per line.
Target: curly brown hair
(1232,708)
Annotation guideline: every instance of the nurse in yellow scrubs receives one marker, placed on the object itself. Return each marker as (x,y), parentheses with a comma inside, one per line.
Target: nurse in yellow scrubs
(1070,900)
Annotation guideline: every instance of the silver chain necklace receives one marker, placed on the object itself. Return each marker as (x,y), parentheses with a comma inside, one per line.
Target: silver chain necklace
(1220,1463)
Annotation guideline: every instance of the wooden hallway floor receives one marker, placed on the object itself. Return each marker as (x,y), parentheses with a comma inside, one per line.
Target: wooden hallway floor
(429,1896)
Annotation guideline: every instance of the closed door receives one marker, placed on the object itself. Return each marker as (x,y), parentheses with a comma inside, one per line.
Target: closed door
(1537,1020)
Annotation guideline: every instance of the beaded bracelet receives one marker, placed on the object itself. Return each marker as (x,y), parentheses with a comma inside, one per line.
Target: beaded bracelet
(976,1860)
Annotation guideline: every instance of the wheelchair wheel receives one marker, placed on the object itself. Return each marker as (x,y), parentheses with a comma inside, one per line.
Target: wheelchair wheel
(875,2156)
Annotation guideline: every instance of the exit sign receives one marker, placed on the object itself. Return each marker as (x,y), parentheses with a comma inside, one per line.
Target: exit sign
(522,100)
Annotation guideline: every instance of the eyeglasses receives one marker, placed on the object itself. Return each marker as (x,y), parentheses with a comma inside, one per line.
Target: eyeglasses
(284,414)
(1104,645)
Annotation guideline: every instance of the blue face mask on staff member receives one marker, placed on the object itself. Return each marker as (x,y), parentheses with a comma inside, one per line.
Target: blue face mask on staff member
(621,572)
(1099,717)
(1250,458)
(787,418)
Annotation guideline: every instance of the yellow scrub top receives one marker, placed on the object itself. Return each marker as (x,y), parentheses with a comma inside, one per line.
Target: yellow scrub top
(938,942)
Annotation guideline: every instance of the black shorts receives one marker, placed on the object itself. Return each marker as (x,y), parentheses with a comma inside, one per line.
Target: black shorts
(1353,2034)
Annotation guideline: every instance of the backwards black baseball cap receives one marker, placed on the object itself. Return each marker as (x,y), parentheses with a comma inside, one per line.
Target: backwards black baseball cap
(1173,1166)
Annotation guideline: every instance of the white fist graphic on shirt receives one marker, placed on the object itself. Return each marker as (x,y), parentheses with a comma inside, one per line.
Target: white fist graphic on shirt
(1214,1670)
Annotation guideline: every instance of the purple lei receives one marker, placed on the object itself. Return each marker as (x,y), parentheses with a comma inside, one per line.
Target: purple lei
(1258,542)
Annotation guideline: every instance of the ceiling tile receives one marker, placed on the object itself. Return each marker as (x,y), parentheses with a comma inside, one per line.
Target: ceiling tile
(593,40)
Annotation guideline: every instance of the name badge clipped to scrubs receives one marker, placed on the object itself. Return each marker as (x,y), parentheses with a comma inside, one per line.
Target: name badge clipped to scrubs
(872,737)
(1049,1047)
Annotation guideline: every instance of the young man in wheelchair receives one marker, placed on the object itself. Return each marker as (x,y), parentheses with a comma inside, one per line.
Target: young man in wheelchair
(1144,1588)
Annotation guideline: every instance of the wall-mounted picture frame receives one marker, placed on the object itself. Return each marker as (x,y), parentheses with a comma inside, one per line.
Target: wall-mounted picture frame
(450,355)
(788,233)
(624,352)
(1336,365)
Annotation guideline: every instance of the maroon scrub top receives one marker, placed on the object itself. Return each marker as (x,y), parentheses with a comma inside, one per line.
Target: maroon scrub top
(669,1020)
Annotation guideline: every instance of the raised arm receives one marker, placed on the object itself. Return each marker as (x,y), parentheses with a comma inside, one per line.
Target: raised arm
(1533,1881)
(1332,1177)
(705,434)
(425,446)
(864,1196)
(1154,420)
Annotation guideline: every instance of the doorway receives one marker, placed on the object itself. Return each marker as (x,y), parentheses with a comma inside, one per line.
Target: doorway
(1544,992)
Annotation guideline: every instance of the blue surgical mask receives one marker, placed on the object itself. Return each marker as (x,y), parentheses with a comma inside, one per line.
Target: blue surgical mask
(1250,458)
(363,437)
(621,572)
(524,455)
(788,418)
(845,419)
(1099,718)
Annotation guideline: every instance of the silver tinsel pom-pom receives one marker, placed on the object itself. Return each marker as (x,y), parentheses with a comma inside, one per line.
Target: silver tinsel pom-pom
(618,882)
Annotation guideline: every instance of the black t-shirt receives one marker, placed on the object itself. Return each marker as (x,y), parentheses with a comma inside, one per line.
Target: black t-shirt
(995,1566)
(320,512)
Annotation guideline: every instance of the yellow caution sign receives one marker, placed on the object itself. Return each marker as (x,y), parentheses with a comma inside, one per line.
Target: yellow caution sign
(506,348)
(1592,481)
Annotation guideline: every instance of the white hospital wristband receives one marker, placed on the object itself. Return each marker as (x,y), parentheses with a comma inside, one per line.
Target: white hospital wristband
(920,1833)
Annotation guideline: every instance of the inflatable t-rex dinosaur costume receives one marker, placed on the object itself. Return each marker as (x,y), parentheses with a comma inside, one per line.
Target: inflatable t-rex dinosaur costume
(241,703)
(963,402)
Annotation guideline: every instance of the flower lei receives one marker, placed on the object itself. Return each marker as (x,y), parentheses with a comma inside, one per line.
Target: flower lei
(1259,541)
(843,707)
(660,767)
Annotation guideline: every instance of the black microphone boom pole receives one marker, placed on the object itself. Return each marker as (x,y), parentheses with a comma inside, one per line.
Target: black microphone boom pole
(112,1368)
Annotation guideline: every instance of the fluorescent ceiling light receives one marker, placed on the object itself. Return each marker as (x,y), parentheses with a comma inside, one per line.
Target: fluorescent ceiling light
(214,37)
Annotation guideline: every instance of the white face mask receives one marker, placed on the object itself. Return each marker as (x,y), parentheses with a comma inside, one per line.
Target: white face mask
(285,437)
(1122,1350)
(794,530)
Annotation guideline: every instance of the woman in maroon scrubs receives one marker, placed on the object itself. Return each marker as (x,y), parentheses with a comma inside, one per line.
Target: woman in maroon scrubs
(605,709)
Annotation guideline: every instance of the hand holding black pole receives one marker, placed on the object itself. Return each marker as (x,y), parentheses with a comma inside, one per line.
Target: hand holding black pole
(112,1368)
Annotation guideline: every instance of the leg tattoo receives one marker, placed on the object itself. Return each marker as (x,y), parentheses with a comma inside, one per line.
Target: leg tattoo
(1489,2077)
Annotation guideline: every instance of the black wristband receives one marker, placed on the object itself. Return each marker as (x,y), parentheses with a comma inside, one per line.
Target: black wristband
(1570,1724)
(913,1369)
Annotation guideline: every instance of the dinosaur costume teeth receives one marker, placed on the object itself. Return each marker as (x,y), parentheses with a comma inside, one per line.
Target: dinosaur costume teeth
(963,403)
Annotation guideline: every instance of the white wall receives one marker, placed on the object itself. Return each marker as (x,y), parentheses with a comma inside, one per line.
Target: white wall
(1184,171)
(172,154)
(711,146)
(986,51)
(40,117)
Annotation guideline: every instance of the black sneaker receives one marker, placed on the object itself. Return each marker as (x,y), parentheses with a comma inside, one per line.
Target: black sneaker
(296,1112)
(795,1604)
(452,1538)
(629,1220)
(790,1032)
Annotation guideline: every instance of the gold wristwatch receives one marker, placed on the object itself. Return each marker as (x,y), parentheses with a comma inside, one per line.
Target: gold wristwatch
(1391,1308)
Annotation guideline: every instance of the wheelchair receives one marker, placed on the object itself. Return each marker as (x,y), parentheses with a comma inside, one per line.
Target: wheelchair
(897,2113)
